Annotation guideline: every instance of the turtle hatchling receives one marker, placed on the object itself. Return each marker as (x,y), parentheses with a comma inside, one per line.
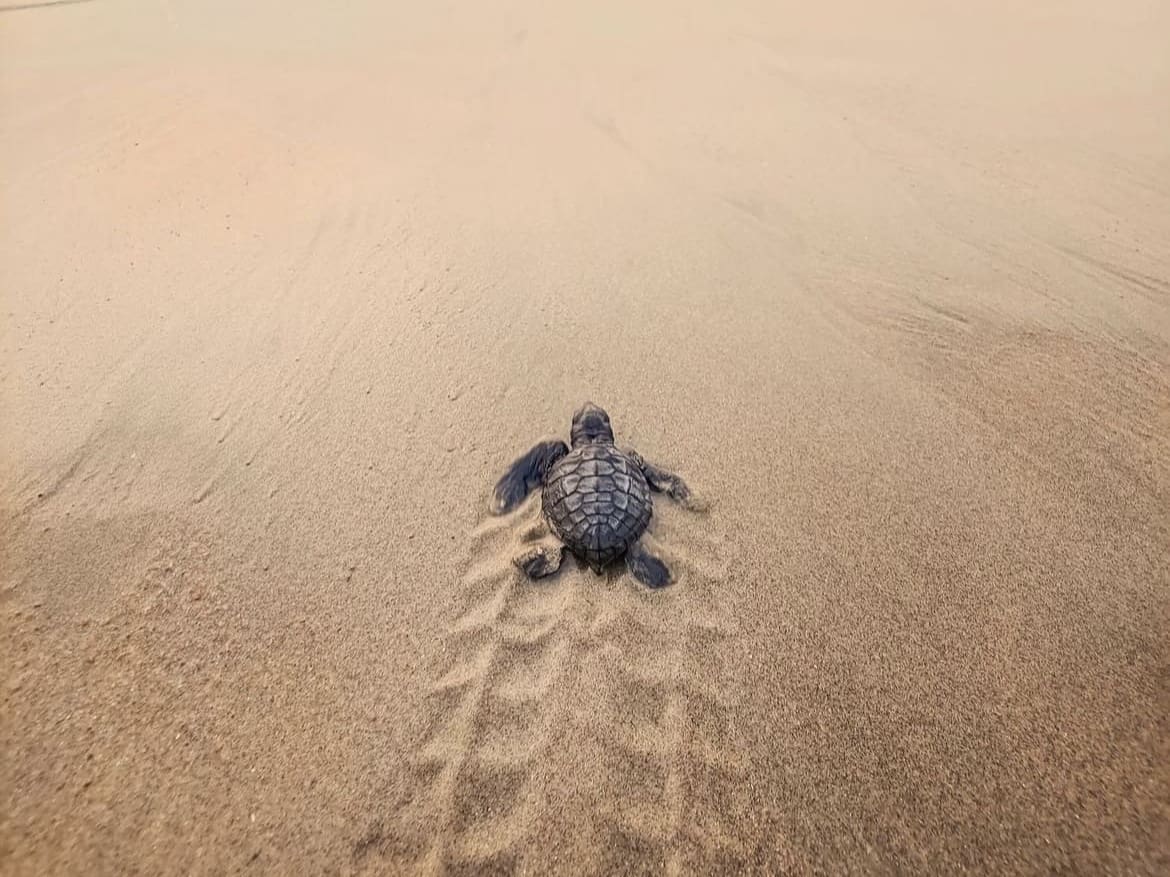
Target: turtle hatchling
(595,498)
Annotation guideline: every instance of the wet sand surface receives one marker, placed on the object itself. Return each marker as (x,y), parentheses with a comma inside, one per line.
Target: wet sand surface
(287,286)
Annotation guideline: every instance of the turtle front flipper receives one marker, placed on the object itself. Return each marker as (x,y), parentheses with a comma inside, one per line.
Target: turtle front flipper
(541,560)
(645,567)
(525,475)
(670,484)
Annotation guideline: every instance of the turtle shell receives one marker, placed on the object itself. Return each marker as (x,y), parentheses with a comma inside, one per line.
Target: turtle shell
(598,502)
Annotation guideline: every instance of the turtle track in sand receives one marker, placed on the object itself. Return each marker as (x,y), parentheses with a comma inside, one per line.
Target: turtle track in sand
(579,694)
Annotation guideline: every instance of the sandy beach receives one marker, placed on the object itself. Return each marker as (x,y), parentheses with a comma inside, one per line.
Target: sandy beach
(286,286)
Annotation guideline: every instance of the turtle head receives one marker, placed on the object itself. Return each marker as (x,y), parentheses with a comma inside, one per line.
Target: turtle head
(591,426)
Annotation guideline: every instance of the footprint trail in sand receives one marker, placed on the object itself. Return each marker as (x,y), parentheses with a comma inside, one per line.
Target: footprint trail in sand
(628,676)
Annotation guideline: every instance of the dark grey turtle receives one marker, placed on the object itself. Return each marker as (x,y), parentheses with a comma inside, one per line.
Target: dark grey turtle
(595,497)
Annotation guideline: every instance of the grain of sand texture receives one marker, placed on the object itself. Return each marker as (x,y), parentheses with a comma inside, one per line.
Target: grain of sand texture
(287,285)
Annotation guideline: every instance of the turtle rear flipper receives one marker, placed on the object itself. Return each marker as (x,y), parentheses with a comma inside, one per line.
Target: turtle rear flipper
(541,560)
(525,475)
(647,568)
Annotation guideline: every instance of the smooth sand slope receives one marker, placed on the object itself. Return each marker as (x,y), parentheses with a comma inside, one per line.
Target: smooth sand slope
(287,285)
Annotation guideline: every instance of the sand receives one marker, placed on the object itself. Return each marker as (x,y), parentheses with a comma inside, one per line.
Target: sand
(287,285)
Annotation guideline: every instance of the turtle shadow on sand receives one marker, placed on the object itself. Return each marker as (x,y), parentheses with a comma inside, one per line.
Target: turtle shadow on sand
(595,500)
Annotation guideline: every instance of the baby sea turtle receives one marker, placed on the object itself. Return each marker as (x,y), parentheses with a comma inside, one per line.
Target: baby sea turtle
(595,497)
